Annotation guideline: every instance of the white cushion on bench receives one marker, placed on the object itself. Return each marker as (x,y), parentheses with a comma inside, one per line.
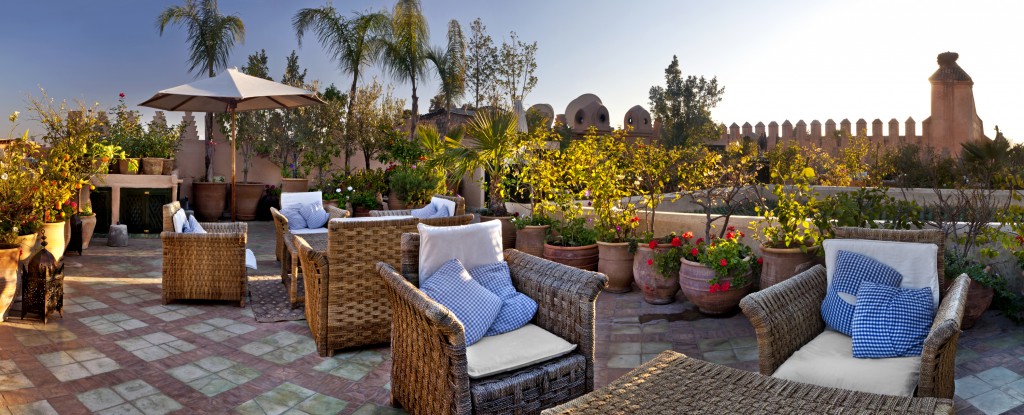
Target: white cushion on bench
(516,349)
(297,199)
(307,231)
(828,361)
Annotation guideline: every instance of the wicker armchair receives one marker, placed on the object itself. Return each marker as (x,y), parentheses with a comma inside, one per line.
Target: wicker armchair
(281,223)
(285,252)
(428,344)
(787,315)
(454,220)
(346,305)
(208,266)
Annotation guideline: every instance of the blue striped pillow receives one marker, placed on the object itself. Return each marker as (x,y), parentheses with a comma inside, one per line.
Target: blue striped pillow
(891,322)
(517,309)
(476,307)
(852,269)
(295,219)
(314,215)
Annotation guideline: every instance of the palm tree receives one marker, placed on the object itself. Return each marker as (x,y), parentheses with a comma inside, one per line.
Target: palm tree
(354,44)
(451,68)
(405,51)
(211,36)
(490,141)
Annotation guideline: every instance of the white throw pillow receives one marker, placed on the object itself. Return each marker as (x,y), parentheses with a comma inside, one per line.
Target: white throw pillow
(513,350)
(828,360)
(441,202)
(474,245)
(178,219)
(915,261)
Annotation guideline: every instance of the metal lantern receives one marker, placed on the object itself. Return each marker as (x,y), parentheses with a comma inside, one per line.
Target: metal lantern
(43,288)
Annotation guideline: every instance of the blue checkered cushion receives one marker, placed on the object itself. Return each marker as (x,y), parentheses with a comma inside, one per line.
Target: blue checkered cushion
(314,215)
(891,322)
(517,309)
(442,212)
(851,270)
(295,219)
(192,226)
(475,306)
(425,212)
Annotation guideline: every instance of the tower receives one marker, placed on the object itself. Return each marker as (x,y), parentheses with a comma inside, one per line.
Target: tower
(954,119)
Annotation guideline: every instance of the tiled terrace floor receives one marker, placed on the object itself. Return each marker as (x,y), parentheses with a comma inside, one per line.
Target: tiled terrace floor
(118,350)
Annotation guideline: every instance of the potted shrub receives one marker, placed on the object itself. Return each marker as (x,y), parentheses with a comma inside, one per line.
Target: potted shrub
(410,186)
(788,238)
(18,183)
(658,282)
(714,276)
(363,201)
(125,131)
(572,243)
(163,142)
(654,166)
(531,232)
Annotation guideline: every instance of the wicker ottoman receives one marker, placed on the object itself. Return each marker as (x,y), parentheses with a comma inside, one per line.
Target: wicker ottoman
(673,383)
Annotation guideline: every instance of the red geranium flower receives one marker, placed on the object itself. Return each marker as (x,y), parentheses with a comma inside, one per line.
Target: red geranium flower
(635,219)
(650,262)
(723,262)
(653,244)
(731,228)
(700,241)
(715,288)
(694,252)
(676,241)
(760,261)
(730,235)
(688,235)
(725,286)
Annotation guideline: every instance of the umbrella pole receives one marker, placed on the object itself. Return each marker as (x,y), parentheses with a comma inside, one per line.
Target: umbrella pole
(232,164)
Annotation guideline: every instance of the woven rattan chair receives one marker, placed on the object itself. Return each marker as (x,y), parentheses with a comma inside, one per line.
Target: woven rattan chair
(428,344)
(346,303)
(208,266)
(281,223)
(787,315)
(285,251)
(457,218)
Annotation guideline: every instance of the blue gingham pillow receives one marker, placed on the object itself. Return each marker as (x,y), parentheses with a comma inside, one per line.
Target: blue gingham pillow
(295,219)
(891,322)
(475,306)
(192,226)
(314,215)
(442,212)
(425,212)
(851,270)
(517,309)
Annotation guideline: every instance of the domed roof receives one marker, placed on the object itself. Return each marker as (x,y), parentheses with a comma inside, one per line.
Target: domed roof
(949,71)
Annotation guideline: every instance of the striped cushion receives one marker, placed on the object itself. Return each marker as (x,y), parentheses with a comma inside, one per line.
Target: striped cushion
(517,309)
(314,215)
(890,321)
(295,219)
(473,305)
(425,212)
(840,299)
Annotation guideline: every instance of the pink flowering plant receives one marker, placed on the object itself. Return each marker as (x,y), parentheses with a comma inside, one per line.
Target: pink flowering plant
(725,255)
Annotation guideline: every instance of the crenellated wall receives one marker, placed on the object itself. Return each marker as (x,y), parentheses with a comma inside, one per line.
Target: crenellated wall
(880,134)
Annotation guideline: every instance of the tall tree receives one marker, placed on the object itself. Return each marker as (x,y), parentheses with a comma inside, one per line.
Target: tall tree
(451,69)
(517,62)
(291,137)
(405,51)
(682,108)
(253,126)
(211,36)
(377,117)
(481,63)
(353,43)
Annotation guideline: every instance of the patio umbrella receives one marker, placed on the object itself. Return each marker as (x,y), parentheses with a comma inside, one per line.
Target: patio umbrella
(231,92)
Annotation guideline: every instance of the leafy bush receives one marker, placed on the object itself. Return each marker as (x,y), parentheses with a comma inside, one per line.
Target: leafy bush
(413,185)
(573,232)
(863,208)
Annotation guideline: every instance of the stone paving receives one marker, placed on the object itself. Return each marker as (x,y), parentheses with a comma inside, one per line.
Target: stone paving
(118,349)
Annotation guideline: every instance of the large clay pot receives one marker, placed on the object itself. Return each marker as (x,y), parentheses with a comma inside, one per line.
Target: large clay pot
(209,200)
(582,257)
(657,289)
(781,263)
(693,280)
(394,203)
(168,167)
(9,257)
(531,239)
(508,231)
(332,203)
(152,166)
(247,196)
(54,232)
(29,245)
(67,233)
(294,185)
(88,228)
(360,212)
(124,166)
(979,298)
(616,262)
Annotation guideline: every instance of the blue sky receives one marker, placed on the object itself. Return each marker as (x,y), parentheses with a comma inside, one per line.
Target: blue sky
(777,60)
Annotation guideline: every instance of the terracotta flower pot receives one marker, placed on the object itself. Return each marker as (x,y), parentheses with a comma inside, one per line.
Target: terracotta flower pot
(294,185)
(508,231)
(781,263)
(394,203)
(67,233)
(168,167)
(152,166)
(360,212)
(9,257)
(124,166)
(247,196)
(693,280)
(582,257)
(209,200)
(531,239)
(29,245)
(88,228)
(616,262)
(979,298)
(54,232)
(332,203)
(657,289)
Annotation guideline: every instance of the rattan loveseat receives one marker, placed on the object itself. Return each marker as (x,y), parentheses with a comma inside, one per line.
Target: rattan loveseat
(455,219)
(786,316)
(208,266)
(428,347)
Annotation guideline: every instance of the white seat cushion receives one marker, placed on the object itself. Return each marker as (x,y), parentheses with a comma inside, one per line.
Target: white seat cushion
(915,261)
(474,245)
(513,350)
(828,361)
(307,231)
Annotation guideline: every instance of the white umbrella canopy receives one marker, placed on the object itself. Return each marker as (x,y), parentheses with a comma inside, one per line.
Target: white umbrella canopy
(230,92)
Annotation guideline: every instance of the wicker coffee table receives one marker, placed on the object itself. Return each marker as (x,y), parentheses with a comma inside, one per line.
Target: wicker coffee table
(673,383)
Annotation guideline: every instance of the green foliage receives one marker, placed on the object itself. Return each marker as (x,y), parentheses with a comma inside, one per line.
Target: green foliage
(375,119)
(364,199)
(413,185)
(726,255)
(401,150)
(1008,302)
(521,222)
(404,52)
(125,129)
(788,224)
(849,165)
(516,64)
(481,66)
(654,168)
(573,232)
(490,142)
(450,66)
(683,107)
(864,208)
(253,127)
(719,183)
(18,187)
(162,140)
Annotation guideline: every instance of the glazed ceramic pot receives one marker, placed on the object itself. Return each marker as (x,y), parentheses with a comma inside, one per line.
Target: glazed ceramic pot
(54,231)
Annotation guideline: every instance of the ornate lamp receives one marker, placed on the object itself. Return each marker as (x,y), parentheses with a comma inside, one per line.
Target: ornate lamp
(43,287)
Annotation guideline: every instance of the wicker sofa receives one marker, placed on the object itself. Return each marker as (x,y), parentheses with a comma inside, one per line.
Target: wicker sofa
(786,316)
(208,266)
(453,220)
(281,222)
(429,365)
